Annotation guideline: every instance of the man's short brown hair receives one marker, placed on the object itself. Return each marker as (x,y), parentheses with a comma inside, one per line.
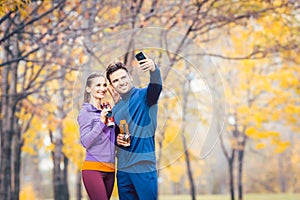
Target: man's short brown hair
(111,68)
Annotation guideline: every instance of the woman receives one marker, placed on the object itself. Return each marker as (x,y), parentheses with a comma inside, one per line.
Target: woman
(98,169)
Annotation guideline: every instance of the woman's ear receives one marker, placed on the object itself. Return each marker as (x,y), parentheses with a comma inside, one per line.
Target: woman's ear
(88,89)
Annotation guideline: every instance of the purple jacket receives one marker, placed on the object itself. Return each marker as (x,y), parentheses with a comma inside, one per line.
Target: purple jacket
(95,136)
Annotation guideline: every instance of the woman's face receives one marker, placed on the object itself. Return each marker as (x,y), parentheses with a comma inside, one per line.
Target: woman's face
(98,88)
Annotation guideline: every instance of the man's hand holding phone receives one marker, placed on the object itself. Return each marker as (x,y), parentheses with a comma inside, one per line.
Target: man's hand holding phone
(145,63)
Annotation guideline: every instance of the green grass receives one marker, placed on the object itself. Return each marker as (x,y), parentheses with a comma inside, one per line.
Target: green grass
(227,197)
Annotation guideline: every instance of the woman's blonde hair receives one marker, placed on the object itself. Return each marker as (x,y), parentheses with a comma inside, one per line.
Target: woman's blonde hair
(87,95)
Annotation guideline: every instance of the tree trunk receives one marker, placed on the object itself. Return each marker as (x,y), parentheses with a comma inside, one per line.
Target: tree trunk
(189,168)
(282,177)
(78,186)
(17,146)
(231,177)
(241,152)
(230,159)
(6,137)
(60,182)
(240,174)
(8,108)
(65,178)
(186,89)
(160,136)
(5,170)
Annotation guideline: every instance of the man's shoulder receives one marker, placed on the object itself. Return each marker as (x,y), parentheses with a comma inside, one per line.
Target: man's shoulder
(141,92)
(119,103)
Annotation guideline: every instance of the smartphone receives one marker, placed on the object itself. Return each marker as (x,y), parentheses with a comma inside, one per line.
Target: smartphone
(140,56)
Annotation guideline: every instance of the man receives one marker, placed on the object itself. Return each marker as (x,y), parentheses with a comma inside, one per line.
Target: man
(137,108)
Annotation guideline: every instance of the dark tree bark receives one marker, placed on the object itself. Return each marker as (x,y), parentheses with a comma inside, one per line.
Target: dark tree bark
(16,157)
(189,169)
(230,160)
(8,118)
(60,161)
(186,90)
(231,176)
(241,153)
(60,184)
(78,186)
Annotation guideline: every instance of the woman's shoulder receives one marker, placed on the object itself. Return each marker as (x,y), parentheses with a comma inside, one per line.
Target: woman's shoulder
(85,109)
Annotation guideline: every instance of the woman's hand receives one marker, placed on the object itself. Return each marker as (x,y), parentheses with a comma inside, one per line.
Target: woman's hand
(103,114)
(114,94)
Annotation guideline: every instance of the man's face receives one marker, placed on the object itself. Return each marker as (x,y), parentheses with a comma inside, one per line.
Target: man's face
(121,81)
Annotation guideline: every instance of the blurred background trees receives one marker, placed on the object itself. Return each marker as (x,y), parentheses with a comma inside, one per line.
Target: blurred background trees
(230,71)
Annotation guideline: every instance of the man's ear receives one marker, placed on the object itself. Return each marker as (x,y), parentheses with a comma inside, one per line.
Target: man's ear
(130,77)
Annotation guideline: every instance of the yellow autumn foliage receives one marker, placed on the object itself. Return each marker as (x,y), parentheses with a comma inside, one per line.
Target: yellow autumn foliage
(172,136)
(111,14)
(72,147)
(29,150)
(260,145)
(256,77)
(295,159)
(281,146)
(259,93)
(23,114)
(27,193)
(175,172)
(12,5)
(49,148)
(251,131)
(243,110)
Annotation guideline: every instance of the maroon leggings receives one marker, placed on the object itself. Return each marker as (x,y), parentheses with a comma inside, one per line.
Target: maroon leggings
(99,185)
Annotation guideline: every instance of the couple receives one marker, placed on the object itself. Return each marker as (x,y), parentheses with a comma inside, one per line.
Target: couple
(137,108)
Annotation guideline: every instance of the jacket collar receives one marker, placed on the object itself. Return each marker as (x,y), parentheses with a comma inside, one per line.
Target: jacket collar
(89,107)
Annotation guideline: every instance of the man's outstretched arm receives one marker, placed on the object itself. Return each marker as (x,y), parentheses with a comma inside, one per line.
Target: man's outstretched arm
(155,86)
